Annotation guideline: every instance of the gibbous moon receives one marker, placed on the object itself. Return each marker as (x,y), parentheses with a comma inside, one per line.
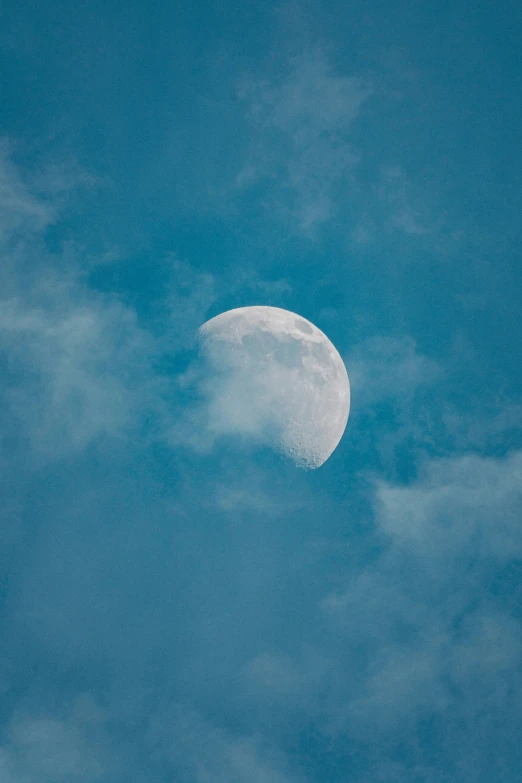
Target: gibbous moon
(278,378)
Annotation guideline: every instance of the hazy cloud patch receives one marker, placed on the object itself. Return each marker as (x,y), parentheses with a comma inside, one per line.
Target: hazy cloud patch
(401,204)
(207,754)
(467,502)
(300,148)
(20,208)
(294,679)
(437,647)
(393,416)
(41,748)
(78,365)
(32,200)
(383,368)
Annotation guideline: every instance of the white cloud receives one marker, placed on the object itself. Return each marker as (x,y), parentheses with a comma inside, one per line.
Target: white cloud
(50,749)
(249,492)
(403,683)
(21,210)
(402,207)
(467,502)
(405,401)
(383,368)
(493,424)
(32,200)
(78,366)
(390,382)
(75,364)
(292,679)
(300,146)
(187,303)
(485,654)
(206,754)
(85,743)
(422,614)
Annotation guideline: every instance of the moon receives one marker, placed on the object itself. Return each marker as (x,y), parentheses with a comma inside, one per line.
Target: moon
(277,378)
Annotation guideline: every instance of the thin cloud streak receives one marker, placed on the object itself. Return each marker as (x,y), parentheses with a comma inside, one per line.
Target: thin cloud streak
(300,148)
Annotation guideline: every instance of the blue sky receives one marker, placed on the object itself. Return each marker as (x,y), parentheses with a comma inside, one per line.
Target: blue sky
(179,608)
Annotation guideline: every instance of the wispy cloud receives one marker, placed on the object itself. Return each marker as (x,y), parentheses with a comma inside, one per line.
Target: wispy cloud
(405,402)
(383,368)
(393,202)
(79,364)
(276,676)
(392,384)
(32,199)
(402,208)
(301,152)
(41,747)
(73,359)
(20,208)
(76,743)
(249,492)
(436,644)
(88,362)
(206,754)
(467,502)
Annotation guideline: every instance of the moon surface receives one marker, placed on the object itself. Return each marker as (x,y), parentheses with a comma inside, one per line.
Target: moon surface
(277,378)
